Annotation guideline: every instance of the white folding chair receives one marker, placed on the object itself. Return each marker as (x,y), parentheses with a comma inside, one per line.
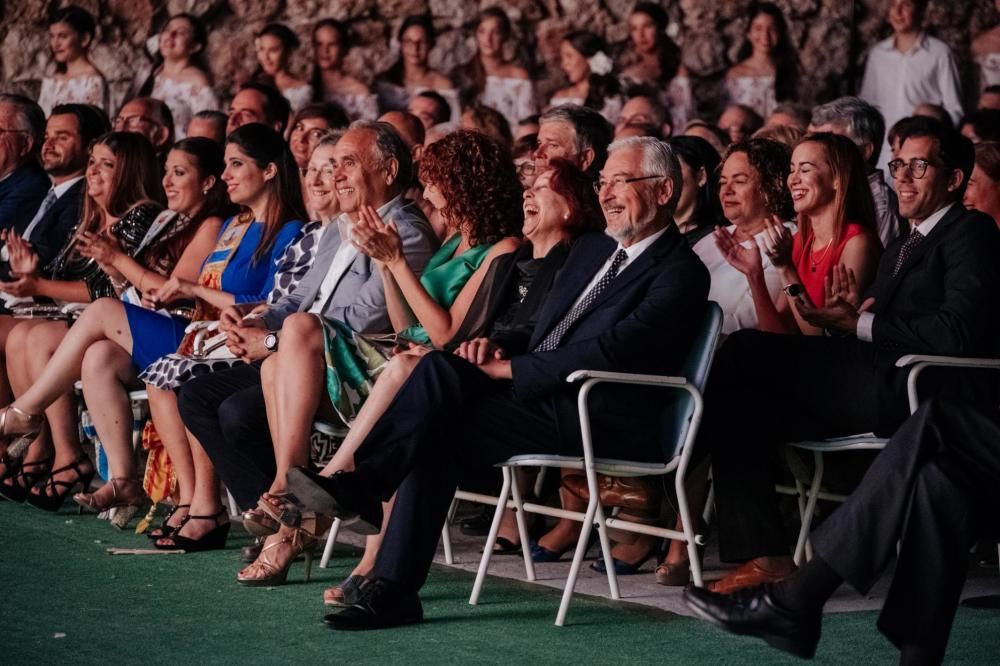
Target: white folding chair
(685,407)
(339,431)
(916,363)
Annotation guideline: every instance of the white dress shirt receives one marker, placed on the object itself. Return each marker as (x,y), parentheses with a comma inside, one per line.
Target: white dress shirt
(633,251)
(866,320)
(58,190)
(897,82)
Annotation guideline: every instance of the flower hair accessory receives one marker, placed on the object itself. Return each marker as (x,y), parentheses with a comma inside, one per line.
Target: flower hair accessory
(600,63)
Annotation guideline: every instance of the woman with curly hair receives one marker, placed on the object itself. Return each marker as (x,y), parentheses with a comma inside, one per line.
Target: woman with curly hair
(470,180)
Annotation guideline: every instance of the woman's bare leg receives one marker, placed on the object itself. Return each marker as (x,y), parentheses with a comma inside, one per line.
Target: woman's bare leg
(7,324)
(173,435)
(205,499)
(107,374)
(19,379)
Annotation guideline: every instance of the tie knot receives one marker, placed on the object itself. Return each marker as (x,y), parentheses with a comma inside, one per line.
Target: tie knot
(620,257)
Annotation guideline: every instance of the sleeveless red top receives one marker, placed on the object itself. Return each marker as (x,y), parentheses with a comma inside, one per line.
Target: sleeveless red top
(813,267)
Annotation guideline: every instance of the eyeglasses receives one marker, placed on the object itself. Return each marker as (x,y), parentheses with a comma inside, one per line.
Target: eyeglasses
(132,122)
(916,166)
(8,130)
(619,182)
(525,169)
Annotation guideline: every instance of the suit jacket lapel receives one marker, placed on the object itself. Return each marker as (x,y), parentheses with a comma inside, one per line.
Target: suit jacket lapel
(577,272)
(917,254)
(637,268)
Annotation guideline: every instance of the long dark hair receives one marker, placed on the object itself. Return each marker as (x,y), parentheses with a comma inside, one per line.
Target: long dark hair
(786,59)
(199,34)
(577,188)
(343,37)
(472,75)
(289,42)
(698,154)
(396,74)
(601,86)
(284,202)
(668,54)
(136,178)
(77,18)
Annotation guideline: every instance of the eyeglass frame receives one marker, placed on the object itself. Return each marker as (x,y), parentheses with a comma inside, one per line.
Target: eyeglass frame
(895,165)
(526,168)
(127,120)
(620,181)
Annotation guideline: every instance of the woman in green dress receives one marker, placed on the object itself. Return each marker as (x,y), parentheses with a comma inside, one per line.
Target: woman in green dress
(470,180)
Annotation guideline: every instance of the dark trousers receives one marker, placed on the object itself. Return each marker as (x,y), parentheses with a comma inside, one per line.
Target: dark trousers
(448,419)
(935,489)
(766,390)
(225,410)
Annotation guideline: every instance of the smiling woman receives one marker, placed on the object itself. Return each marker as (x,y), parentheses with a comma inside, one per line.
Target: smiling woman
(76,79)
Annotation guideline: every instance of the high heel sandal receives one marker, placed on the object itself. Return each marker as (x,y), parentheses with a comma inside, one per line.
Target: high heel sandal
(126,498)
(346,594)
(23,440)
(276,572)
(165,529)
(259,523)
(214,539)
(22,476)
(51,493)
(284,511)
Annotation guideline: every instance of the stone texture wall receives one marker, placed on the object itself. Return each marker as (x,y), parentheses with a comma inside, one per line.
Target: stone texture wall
(832,35)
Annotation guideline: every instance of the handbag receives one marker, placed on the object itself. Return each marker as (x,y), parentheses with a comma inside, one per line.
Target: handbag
(204,341)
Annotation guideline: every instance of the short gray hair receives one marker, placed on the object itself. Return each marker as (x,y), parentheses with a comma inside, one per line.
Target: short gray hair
(658,159)
(30,118)
(862,122)
(592,130)
(389,145)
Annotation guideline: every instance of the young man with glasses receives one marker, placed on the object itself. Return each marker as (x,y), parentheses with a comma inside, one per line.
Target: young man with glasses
(934,293)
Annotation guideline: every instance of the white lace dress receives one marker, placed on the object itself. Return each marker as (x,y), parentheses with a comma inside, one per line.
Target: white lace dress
(184,98)
(757,92)
(90,89)
(392,97)
(611,110)
(679,98)
(298,97)
(989,69)
(358,107)
(514,98)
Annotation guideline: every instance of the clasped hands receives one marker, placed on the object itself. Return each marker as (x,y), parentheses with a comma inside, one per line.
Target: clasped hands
(23,262)
(843,306)
(378,239)
(778,242)
(487,356)
(245,331)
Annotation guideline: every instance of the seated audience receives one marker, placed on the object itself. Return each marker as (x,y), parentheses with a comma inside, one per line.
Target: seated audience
(479,207)
(526,126)
(767,69)
(412,73)
(431,107)
(330,83)
(935,111)
(788,114)
(740,122)
(931,295)
(785,134)
(150,118)
(524,159)
(981,125)
(113,339)
(985,51)
(716,137)
(23,183)
(918,504)
(488,121)
(643,110)
(862,123)
(523,404)
(274,46)
(307,126)
(208,124)
(121,202)
(258,103)
(490,78)
(753,190)
(179,76)
(983,191)
(583,58)
(698,209)
(573,133)
(76,80)
(909,68)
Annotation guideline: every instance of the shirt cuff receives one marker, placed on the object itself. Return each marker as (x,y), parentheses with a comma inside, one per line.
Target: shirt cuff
(865,322)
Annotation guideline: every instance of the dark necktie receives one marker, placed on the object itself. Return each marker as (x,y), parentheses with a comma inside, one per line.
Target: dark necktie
(911,242)
(552,340)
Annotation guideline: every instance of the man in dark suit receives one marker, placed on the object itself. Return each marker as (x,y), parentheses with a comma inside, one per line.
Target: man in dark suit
(632,302)
(69,131)
(933,490)
(22,182)
(934,293)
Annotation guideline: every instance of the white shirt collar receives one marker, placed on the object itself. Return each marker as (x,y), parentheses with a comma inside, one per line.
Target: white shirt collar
(928,225)
(63,187)
(920,43)
(635,249)
(344,220)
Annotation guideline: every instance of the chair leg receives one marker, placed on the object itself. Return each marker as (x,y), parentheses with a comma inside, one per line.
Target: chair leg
(330,540)
(807,517)
(609,561)
(491,539)
(540,481)
(522,528)
(706,515)
(581,550)
(691,539)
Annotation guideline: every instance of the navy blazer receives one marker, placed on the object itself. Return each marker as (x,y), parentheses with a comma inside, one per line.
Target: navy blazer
(21,193)
(52,231)
(645,321)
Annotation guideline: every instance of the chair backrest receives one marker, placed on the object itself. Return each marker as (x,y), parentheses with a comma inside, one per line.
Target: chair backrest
(680,409)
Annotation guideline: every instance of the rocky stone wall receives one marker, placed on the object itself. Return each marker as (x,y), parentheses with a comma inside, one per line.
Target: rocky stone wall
(832,35)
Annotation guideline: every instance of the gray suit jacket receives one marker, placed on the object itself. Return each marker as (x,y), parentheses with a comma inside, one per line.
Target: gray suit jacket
(359,297)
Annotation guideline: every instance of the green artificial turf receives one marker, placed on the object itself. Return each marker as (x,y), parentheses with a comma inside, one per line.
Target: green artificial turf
(63,600)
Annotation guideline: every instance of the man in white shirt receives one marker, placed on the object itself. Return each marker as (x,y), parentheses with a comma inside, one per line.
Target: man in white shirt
(910,68)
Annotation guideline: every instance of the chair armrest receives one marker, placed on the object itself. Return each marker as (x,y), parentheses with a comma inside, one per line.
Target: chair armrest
(918,362)
(626,378)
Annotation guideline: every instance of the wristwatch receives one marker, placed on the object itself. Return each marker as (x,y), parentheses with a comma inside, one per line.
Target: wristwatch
(792,290)
(271,342)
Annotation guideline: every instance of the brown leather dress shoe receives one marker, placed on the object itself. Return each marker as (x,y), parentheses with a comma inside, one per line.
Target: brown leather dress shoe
(747,575)
(638,493)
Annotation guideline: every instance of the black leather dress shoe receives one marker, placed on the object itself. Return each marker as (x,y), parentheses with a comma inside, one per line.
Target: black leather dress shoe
(381,606)
(752,612)
(340,496)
